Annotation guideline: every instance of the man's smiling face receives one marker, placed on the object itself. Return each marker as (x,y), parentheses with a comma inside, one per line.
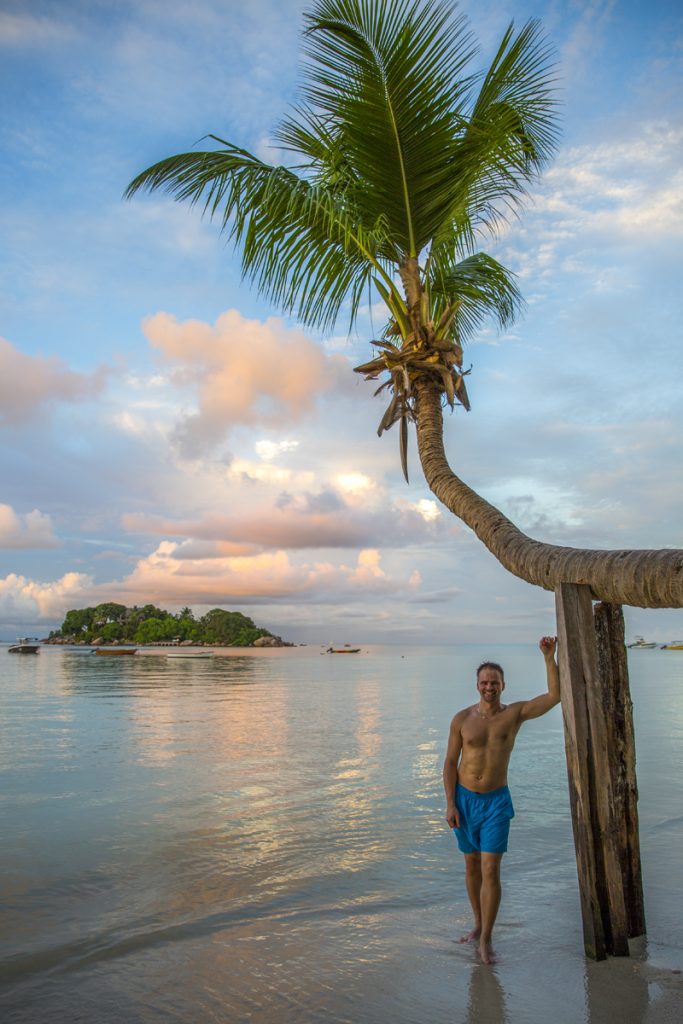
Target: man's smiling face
(490,685)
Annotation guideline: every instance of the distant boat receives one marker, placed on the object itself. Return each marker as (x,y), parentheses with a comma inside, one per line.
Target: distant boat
(118,651)
(25,645)
(675,645)
(190,654)
(642,644)
(342,650)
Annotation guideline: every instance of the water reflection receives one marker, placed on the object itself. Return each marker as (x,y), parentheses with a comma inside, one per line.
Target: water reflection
(356,784)
(486,1002)
(616,990)
(368,727)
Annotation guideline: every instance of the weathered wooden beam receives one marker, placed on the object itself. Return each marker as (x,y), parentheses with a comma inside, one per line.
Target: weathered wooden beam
(570,619)
(618,709)
(590,782)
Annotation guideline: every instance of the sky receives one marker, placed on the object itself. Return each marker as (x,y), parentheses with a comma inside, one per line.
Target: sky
(169,437)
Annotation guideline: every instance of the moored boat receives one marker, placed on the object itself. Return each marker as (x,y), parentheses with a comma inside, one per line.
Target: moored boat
(675,645)
(190,654)
(640,643)
(25,645)
(118,651)
(343,650)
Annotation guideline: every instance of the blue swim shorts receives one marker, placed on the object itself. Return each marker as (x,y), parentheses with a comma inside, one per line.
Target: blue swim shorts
(484,820)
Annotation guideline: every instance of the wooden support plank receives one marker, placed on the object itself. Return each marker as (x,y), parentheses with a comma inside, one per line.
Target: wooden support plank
(605,826)
(574,615)
(618,709)
(590,779)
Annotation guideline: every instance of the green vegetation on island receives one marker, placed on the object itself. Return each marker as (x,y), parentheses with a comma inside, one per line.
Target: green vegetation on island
(114,623)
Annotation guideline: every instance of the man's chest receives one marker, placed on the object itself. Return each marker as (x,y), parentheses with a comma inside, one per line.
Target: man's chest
(479,734)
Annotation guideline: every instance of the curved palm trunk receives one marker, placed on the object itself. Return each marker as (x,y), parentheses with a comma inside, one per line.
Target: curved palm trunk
(646,579)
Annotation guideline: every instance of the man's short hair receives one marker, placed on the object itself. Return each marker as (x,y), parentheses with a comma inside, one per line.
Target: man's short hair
(491,664)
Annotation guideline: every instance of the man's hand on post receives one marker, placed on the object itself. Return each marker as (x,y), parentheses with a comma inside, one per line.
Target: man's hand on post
(548,645)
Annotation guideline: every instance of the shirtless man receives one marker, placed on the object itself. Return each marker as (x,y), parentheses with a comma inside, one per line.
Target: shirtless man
(478,804)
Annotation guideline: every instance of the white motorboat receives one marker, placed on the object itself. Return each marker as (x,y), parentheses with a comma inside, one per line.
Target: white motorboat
(641,644)
(25,645)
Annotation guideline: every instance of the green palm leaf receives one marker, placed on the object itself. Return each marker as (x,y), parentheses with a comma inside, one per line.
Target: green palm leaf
(482,288)
(301,246)
(393,75)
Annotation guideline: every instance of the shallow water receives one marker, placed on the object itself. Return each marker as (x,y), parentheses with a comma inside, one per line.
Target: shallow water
(260,837)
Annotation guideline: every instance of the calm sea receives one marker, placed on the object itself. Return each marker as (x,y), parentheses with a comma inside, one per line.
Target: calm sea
(260,838)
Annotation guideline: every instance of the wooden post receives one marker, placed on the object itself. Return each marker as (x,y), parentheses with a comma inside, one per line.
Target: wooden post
(618,711)
(601,888)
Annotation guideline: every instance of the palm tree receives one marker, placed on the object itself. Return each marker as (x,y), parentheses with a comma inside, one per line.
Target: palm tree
(401,157)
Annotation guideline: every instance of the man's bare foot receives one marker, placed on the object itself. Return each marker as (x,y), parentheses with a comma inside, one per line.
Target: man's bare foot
(486,952)
(471,936)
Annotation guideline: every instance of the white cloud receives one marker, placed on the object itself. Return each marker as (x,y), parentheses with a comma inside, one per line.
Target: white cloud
(356,488)
(33,530)
(22,599)
(267,473)
(269,450)
(428,509)
(633,187)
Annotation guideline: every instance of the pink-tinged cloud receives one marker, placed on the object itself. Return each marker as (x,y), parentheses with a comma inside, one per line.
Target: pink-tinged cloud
(299,527)
(29,384)
(242,373)
(168,577)
(33,530)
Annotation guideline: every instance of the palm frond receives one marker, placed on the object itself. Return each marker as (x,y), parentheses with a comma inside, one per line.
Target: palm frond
(481,288)
(391,74)
(510,135)
(301,246)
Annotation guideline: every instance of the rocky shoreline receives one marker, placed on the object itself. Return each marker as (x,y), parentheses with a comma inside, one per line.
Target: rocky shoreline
(72,641)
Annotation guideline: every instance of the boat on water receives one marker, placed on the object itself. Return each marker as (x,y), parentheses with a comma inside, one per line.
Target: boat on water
(25,645)
(640,643)
(675,645)
(115,651)
(342,650)
(194,655)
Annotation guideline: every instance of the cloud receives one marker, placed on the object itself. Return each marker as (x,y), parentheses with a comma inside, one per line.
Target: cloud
(268,450)
(350,511)
(170,575)
(631,187)
(248,471)
(241,372)
(596,203)
(585,38)
(33,530)
(323,520)
(22,599)
(30,384)
(29,30)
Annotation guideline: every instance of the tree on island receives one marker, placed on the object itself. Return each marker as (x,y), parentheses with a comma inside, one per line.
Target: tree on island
(150,625)
(401,157)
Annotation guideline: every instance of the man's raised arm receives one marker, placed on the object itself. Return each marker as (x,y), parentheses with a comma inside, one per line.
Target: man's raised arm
(539,705)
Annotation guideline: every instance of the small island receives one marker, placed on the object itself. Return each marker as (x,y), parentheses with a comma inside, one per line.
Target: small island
(115,624)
